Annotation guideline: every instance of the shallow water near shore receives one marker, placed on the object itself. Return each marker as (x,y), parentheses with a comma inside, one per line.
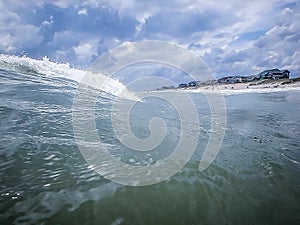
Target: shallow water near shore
(255,178)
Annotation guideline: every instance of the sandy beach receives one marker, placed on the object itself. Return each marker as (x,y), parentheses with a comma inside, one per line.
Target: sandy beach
(255,86)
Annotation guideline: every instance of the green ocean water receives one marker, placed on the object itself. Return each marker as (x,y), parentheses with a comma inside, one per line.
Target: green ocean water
(44,179)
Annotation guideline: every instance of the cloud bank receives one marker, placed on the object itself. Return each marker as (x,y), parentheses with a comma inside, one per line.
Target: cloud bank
(236,37)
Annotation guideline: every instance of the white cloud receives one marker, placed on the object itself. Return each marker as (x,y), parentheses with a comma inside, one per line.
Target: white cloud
(141,18)
(86,50)
(277,48)
(82,11)
(48,22)
(15,35)
(59,3)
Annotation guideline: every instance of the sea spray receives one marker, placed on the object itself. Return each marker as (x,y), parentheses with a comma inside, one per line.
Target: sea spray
(52,69)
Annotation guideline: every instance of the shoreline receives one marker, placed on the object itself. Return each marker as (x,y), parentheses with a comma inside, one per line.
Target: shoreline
(250,87)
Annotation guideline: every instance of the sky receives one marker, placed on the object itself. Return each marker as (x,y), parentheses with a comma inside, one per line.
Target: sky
(232,37)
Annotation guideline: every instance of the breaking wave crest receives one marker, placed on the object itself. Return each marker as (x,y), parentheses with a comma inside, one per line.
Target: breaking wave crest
(52,69)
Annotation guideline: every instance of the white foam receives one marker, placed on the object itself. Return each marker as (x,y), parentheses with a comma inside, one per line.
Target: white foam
(53,69)
(43,66)
(245,91)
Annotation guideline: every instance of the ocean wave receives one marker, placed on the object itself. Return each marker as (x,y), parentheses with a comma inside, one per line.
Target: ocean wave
(52,69)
